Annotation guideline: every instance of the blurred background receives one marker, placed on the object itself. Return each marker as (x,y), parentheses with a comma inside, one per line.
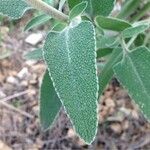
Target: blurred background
(121,125)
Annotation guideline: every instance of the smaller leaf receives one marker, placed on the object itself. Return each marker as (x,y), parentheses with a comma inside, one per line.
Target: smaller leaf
(134,73)
(49,102)
(37,21)
(111,23)
(134,31)
(34,55)
(107,73)
(77,10)
(59,27)
(106,42)
(139,41)
(95,7)
(104,52)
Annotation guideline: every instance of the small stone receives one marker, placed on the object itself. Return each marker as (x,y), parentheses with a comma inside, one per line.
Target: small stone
(71,133)
(34,38)
(2,94)
(116,127)
(135,114)
(12,80)
(109,102)
(3,146)
(24,83)
(125,125)
(36,110)
(23,73)
(31,62)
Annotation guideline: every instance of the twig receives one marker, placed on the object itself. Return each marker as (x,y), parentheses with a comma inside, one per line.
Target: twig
(40,5)
(16,109)
(14,96)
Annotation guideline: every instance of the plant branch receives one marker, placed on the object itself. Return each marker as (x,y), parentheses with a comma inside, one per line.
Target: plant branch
(40,5)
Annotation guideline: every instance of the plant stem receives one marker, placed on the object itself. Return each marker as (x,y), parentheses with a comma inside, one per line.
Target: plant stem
(40,5)
(124,47)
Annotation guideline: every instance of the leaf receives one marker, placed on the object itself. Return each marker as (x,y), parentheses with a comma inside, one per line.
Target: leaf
(34,55)
(13,8)
(134,74)
(110,23)
(95,7)
(77,10)
(70,57)
(106,42)
(139,41)
(59,26)
(37,21)
(133,31)
(104,52)
(49,102)
(107,73)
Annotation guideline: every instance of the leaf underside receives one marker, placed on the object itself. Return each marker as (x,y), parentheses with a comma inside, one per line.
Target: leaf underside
(134,74)
(13,8)
(70,57)
(49,102)
(107,73)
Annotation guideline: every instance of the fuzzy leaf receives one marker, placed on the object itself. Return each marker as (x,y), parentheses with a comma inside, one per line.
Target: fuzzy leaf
(133,31)
(77,10)
(13,8)
(70,57)
(95,7)
(104,52)
(37,21)
(134,74)
(111,23)
(49,102)
(107,73)
(106,42)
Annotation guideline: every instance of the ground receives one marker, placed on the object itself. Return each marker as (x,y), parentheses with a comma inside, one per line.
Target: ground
(121,125)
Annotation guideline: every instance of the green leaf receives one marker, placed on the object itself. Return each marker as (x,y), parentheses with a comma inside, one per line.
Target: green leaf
(49,102)
(34,55)
(95,7)
(106,42)
(37,21)
(107,73)
(139,41)
(59,27)
(77,10)
(133,31)
(71,59)
(13,8)
(134,74)
(104,52)
(111,23)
